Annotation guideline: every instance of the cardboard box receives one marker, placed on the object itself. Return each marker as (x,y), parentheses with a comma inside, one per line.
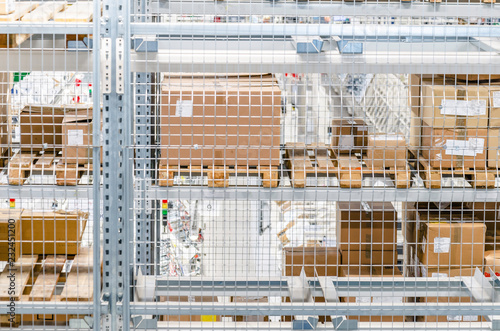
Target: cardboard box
(454,148)
(450,105)
(493,148)
(320,261)
(77,137)
(448,272)
(189,318)
(382,297)
(366,226)
(349,135)
(494,101)
(451,244)
(205,122)
(492,261)
(41,128)
(369,258)
(10,236)
(386,150)
(52,232)
(348,162)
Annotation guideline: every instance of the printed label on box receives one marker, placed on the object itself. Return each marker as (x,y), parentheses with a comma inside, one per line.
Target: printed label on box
(75,137)
(438,275)
(496,99)
(387,299)
(442,244)
(463,107)
(470,147)
(454,318)
(184,108)
(346,141)
(470,318)
(363,299)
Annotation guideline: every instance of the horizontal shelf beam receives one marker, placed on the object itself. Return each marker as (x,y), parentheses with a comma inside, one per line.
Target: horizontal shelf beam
(45,192)
(347,30)
(337,8)
(51,307)
(325,194)
(46,28)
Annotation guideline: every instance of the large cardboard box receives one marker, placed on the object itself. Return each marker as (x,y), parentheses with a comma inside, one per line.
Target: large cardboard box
(451,105)
(494,148)
(52,232)
(449,272)
(316,261)
(369,258)
(451,244)
(492,261)
(366,226)
(386,150)
(375,297)
(77,137)
(10,236)
(206,122)
(349,135)
(41,128)
(454,148)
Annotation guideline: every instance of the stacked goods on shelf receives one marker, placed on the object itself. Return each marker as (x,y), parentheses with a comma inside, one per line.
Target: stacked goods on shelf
(5,83)
(214,121)
(374,296)
(366,234)
(315,261)
(10,220)
(189,318)
(454,125)
(349,136)
(449,242)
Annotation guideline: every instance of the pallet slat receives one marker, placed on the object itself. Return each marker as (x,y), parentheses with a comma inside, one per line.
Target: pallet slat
(81,11)
(45,12)
(46,281)
(22,272)
(79,284)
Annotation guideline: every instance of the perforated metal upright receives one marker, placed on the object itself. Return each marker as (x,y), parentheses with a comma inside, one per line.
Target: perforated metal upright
(117,190)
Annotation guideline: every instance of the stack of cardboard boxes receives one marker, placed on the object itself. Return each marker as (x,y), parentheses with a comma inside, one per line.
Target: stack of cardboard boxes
(351,136)
(454,123)
(449,242)
(212,120)
(5,83)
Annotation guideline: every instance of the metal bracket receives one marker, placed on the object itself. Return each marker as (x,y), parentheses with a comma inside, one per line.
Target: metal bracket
(86,323)
(300,291)
(307,45)
(309,323)
(329,291)
(348,46)
(143,289)
(119,66)
(486,44)
(145,44)
(480,287)
(80,45)
(342,323)
(106,65)
(144,323)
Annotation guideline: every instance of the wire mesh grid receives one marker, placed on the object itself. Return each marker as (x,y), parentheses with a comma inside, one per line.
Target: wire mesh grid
(265,165)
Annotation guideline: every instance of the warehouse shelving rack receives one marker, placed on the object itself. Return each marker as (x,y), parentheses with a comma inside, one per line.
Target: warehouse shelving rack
(116,65)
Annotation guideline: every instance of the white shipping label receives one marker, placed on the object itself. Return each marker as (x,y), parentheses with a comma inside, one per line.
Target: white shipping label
(363,299)
(184,108)
(346,141)
(75,137)
(496,99)
(470,147)
(463,107)
(387,299)
(470,318)
(442,244)
(454,318)
(438,275)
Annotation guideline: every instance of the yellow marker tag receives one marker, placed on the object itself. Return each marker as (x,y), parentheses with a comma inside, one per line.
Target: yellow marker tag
(164,205)
(208,318)
(12,204)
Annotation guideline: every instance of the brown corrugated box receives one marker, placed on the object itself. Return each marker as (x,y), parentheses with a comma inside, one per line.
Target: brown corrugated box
(454,148)
(451,105)
(373,258)
(451,244)
(52,232)
(385,150)
(10,220)
(189,318)
(349,135)
(448,272)
(41,127)
(323,261)
(372,272)
(364,225)
(494,148)
(204,121)
(492,260)
(77,137)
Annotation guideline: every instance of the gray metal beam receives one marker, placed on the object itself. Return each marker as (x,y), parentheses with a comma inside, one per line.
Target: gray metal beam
(306,308)
(45,191)
(294,9)
(46,27)
(326,194)
(52,307)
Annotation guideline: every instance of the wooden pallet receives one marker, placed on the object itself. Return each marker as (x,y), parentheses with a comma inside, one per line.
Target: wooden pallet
(37,281)
(218,176)
(479,178)
(320,161)
(23,165)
